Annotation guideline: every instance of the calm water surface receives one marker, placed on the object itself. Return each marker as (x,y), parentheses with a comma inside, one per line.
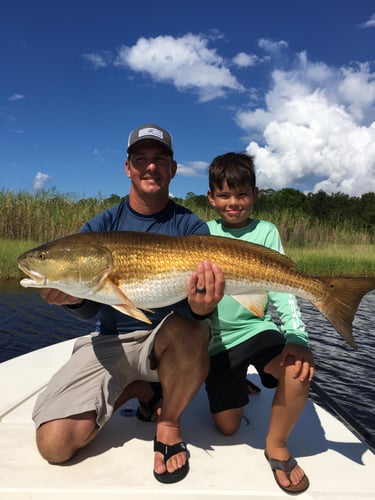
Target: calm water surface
(346,375)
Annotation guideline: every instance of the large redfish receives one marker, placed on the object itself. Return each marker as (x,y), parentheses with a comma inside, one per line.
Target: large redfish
(133,271)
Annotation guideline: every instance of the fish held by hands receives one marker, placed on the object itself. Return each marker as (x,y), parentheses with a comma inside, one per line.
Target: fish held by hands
(135,272)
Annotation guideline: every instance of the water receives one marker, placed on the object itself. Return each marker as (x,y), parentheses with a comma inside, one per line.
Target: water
(29,323)
(346,375)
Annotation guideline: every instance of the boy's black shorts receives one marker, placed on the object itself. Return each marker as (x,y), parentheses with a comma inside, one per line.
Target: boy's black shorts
(226,382)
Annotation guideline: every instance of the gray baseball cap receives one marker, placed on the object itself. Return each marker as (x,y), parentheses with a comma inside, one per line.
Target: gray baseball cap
(150,132)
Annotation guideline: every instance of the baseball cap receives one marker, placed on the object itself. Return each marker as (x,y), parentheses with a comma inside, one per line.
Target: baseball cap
(151,132)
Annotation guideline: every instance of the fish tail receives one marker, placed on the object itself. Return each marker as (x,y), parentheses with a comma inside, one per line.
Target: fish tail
(341,300)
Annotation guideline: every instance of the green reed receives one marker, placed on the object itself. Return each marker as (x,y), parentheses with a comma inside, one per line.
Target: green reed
(334,260)
(47,215)
(317,247)
(9,251)
(44,216)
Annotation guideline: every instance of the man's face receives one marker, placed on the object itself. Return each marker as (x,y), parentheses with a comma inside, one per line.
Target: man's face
(150,167)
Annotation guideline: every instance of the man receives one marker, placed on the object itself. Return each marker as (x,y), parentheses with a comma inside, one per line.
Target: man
(117,363)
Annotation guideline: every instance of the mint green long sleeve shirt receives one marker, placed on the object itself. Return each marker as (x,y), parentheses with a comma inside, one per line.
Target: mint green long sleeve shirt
(232,323)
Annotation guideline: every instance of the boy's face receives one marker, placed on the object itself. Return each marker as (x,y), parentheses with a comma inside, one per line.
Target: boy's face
(234,205)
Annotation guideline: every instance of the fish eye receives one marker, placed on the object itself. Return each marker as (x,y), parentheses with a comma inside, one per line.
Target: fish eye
(42,255)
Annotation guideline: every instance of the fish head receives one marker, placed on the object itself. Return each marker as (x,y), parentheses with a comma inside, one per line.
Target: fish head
(73,265)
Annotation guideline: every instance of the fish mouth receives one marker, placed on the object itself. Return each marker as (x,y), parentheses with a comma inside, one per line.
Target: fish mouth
(36,277)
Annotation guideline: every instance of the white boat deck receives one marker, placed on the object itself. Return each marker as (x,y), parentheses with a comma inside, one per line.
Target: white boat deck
(118,464)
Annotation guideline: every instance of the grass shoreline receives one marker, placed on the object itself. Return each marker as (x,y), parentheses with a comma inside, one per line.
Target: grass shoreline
(328,259)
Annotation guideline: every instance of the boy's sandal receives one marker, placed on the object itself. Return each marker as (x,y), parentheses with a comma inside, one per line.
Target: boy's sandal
(287,466)
(147,411)
(168,452)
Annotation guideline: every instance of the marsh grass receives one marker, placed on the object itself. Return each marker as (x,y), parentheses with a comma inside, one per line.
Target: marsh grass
(317,247)
(9,251)
(44,216)
(334,260)
(297,229)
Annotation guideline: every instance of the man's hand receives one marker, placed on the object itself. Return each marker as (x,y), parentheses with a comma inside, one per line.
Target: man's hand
(206,288)
(57,298)
(303,361)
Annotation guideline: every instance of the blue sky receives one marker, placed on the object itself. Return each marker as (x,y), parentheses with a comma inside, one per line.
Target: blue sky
(291,82)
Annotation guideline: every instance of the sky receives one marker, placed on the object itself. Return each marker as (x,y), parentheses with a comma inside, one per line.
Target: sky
(290,82)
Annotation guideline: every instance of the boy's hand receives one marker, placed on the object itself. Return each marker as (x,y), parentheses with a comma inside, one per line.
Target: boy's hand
(303,361)
(206,288)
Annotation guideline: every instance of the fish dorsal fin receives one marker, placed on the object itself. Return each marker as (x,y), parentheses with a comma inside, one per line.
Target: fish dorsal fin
(126,306)
(255,302)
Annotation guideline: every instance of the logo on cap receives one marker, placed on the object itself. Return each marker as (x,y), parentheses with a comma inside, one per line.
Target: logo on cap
(150,131)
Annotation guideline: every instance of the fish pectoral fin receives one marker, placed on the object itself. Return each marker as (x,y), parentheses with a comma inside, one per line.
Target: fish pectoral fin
(255,302)
(126,306)
(132,311)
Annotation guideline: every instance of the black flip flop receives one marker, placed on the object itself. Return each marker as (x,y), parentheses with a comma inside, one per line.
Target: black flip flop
(146,411)
(168,452)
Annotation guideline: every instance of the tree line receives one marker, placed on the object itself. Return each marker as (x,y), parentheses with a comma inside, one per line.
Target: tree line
(330,209)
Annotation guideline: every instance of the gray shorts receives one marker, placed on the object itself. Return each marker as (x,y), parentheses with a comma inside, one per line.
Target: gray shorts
(100,368)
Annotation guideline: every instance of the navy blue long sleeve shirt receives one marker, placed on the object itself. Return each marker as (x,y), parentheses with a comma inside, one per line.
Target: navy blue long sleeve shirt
(174,220)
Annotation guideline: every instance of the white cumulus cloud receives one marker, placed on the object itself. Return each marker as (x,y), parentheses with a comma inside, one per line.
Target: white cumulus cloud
(98,59)
(312,128)
(369,24)
(192,169)
(272,46)
(40,179)
(244,60)
(16,97)
(316,125)
(186,62)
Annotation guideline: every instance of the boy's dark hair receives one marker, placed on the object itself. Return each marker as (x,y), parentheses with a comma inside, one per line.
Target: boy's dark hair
(236,169)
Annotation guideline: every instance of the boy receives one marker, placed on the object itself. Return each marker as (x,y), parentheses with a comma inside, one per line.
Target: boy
(283,360)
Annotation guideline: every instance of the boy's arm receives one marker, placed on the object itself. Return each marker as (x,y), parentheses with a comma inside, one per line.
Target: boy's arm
(290,317)
(286,304)
(296,346)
